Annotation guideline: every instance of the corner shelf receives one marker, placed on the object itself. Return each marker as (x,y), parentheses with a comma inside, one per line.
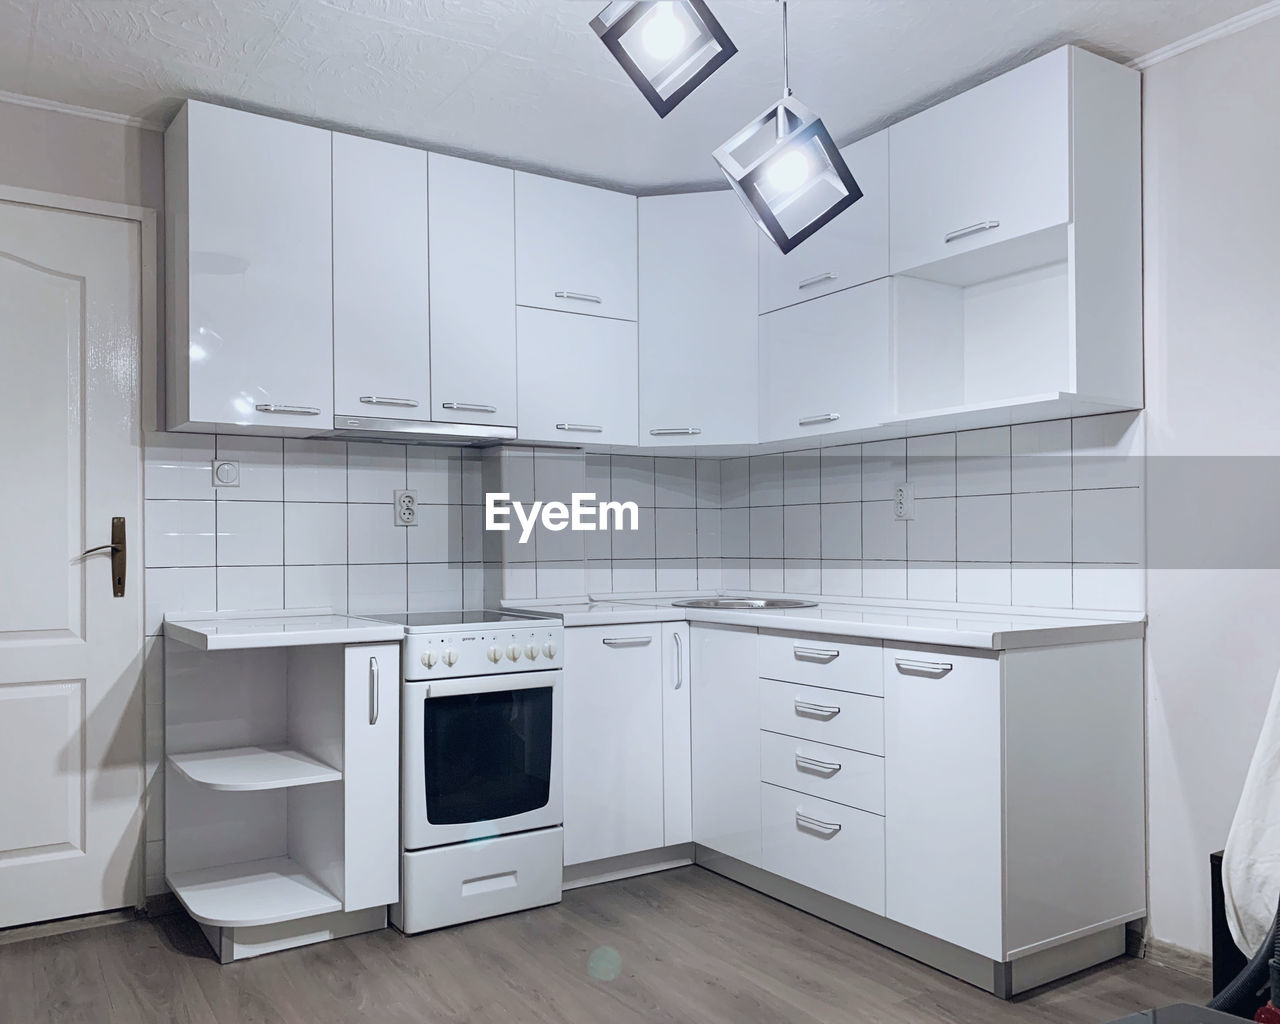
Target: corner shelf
(249,769)
(253,893)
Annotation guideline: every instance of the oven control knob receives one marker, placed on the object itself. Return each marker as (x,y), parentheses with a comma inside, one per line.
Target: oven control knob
(429,659)
(513,652)
(549,649)
(495,654)
(450,657)
(531,652)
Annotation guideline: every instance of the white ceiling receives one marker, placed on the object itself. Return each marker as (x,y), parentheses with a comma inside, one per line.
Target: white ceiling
(527,83)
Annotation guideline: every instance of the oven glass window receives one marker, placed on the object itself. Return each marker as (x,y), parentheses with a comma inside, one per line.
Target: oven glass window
(487,755)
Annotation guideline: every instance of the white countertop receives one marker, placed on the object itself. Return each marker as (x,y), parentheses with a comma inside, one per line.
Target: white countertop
(279,629)
(953,625)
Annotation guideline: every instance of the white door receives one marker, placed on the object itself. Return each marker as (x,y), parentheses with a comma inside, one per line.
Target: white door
(70,652)
(677,743)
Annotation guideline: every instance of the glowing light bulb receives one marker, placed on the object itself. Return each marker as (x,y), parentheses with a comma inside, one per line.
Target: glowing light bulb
(789,171)
(663,34)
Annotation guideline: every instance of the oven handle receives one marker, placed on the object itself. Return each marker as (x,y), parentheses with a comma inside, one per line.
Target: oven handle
(482,684)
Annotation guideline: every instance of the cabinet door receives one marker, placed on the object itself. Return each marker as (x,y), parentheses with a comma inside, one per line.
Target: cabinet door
(473,292)
(677,752)
(826,365)
(851,250)
(575,247)
(988,165)
(381,356)
(371,776)
(252,220)
(698,324)
(613,782)
(577,378)
(943,817)
(726,741)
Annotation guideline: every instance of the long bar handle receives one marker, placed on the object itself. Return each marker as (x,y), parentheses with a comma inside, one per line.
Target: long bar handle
(822,655)
(403,403)
(972,229)
(468,407)
(923,668)
(288,410)
(675,431)
(809,282)
(829,827)
(679,659)
(627,641)
(580,296)
(812,763)
(804,707)
(824,417)
(373,691)
(581,428)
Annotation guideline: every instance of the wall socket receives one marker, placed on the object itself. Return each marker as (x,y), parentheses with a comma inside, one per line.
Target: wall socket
(406,508)
(904,501)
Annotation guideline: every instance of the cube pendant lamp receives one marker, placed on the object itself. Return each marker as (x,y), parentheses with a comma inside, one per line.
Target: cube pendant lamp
(786,168)
(667,47)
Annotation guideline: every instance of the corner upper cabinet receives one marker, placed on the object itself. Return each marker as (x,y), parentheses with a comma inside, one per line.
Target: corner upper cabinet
(381,356)
(575,247)
(697,321)
(851,250)
(250,273)
(473,291)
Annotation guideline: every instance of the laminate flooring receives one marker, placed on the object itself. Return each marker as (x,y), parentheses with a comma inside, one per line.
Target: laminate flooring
(681,946)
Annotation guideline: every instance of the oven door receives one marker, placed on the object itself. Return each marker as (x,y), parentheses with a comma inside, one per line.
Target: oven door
(481,757)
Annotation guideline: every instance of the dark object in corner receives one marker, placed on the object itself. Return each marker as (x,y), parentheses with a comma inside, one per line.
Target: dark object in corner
(1228,961)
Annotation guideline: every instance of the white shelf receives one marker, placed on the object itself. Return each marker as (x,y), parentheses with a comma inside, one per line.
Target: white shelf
(245,769)
(254,893)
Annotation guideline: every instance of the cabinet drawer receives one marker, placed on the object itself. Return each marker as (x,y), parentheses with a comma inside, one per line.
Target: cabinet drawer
(821,662)
(850,720)
(843,776)
(833,849)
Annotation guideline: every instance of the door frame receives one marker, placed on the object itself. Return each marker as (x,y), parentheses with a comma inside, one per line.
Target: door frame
(150,376)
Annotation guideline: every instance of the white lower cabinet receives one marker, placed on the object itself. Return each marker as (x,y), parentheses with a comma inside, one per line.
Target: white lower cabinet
(677,748)
(851,720)
(613,741)
(726,741)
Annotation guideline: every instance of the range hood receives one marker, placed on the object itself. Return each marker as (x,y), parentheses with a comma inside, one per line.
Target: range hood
(463,435)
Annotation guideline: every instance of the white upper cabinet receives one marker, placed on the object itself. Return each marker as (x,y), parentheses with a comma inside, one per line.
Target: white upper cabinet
(825,365)
(250,272)
(851,250)
(983,167)
(381,353)
(697,320)
(577,378)
(473,292)
(575,247)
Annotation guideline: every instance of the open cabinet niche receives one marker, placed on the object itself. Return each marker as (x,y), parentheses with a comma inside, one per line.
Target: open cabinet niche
(278,827)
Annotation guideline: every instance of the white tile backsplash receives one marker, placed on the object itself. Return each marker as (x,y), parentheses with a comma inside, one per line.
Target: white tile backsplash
(375,471)
(802,477)
(884,466)
(179,466)
(840,535)
(250,533)
(1042,527)
(315,533)
(315,470)
(766,532)
(377,588)
(178,591)
(983,529)
(1041,456)
(261,462)
(802,531)
(316,586)
(373,536)
(983,461)
(677,531)
(436,474)
(931,535)
(931,465)
(1106,525)
(179,532)
(674,483)
(250,588)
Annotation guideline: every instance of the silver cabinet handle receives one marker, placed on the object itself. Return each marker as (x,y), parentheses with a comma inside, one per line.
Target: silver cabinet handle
(581,428)
(825,417)
(813,764)
(679,659)
(580,296)
(288,410)
(822,655)
(809,282)
(923,668)
(627,641)
(972,229)
(804,707)
(468,407)
(373,691)
(675,431)
(829,828)
(404,403)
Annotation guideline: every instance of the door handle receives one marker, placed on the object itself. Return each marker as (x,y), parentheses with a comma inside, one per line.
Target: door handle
(373,691)
(468,407)
(679,659)
(922,668)
(581,428)
(804,707)
(675,431)
(579,296)
(288,410)
(825,417)
(119,555)
(405,403)
(823,656)
(809,282)
(627,641)
(972,229)
(827,828)
(814,765)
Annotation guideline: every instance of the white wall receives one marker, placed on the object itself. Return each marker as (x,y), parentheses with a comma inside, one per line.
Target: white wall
(1212,306)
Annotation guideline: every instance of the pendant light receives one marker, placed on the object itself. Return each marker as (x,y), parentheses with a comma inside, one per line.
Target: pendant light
(786,169)
(668,47)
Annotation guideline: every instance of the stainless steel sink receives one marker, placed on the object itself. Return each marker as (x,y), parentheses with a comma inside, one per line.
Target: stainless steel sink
(735,604)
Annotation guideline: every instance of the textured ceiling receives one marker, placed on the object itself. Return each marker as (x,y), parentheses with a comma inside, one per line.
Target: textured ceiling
(526,82)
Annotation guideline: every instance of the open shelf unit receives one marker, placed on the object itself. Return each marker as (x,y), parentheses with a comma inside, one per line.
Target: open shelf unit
(244,769)
(254,893)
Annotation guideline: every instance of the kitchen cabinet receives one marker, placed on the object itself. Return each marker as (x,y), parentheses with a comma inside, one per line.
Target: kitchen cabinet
(677,748)
(697,321)
(851,250)
(575,247)
(250,273)
(577,378)
(471,212)
(613,741)
(726,741)
(825,364)
(381,354)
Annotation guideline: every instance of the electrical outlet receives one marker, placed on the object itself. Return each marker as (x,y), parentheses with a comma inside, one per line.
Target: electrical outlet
(406,508)
(904,501)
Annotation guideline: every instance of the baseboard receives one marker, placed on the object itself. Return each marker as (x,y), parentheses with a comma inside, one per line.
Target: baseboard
(1186,961)
(66,925)
(627,866)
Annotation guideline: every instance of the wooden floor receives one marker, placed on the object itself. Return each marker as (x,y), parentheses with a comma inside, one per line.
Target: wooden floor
(683,946)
